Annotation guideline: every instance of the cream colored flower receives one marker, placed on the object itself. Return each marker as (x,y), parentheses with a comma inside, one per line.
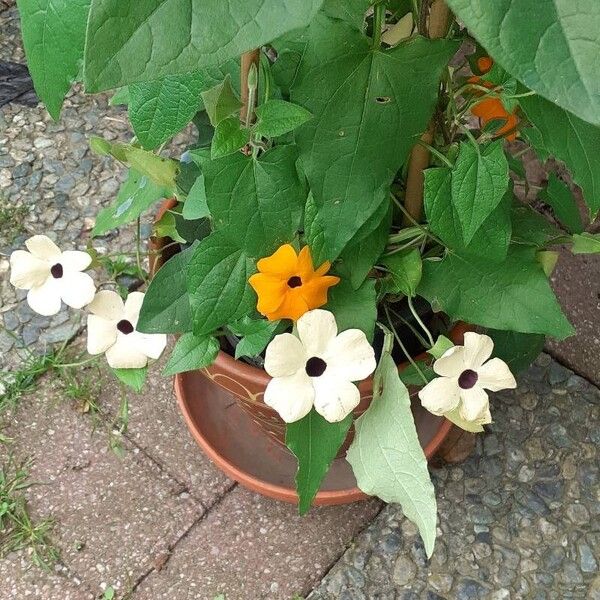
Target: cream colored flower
(464,378)
(51,276)
(317,368)
(111,329)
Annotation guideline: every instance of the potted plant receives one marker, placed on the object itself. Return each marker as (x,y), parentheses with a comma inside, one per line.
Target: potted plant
(344,208)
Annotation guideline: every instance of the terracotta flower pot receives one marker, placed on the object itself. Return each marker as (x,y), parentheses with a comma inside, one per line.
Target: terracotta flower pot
(246,384)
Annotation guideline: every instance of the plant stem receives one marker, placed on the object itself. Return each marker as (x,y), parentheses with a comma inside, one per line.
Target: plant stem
(138,249)
(435,152)
(420,322)
(378,20)
(402,346)
(247,111)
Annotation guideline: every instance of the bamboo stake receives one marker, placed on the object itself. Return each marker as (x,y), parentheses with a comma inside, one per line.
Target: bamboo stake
(439,17)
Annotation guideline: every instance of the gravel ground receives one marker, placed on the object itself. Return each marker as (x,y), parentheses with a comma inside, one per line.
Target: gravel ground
(51,183)
(520,518)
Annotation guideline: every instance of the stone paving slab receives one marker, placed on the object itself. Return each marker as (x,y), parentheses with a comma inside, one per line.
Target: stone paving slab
(157,427)
(576,281)
(19,582)
(115,516)
(249,547)
(519,519)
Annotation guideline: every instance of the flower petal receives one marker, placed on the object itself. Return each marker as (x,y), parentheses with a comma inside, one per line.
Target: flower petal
(270,290)
(478,348)
(41,246)
(292,396)
(475,403)
(316,329)
(440,395)
(73,260)
(495,375)
(45,299)
(150,344)
(27,271)
(282,263)
(292,307)
(284,356)
(350,356)
(315,291)
(108,305)
(101,334)
(124,354)
(133,305)
(76,289)
(451,363)
(335,398)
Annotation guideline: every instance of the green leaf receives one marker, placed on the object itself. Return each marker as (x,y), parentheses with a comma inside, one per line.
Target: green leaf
(352,11)
(255,334)
(551,46)
(491,239)
(529,227)
(120,97)
(221,101)
(404,270)
(265,194)
(315,442)
(192,352)
(354,309)
(514,295)
(166,227)
(479,182)
(548,260)
(54,37)
(561,199)
(278,117)
(195,205)
(218,282)
(517,350)
(161,108)
(166,306)
(136,195)
(143,41)
(441,346)
(386,456)
(410,376)
(229,138)
(359,256)
(162,171)
(564,136)
(367,103)
(586,243)
(133,378)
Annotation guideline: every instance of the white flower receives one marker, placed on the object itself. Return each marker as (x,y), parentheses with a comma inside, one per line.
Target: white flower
(465,375)
(51,276)
(317,368)
(111,329)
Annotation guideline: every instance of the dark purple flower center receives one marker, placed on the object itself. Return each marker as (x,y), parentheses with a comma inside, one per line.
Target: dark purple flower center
(294,281)
(315,366)
(467,379)
(56,271)
(124,326)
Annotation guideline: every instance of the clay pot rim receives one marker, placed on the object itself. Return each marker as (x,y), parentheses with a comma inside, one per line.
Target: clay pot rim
(244,371)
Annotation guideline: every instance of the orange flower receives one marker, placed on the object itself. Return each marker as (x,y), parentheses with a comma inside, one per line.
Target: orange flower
(287,285)
(491,109)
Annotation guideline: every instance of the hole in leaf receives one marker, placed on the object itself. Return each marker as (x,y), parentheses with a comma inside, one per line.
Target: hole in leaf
(383,99)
